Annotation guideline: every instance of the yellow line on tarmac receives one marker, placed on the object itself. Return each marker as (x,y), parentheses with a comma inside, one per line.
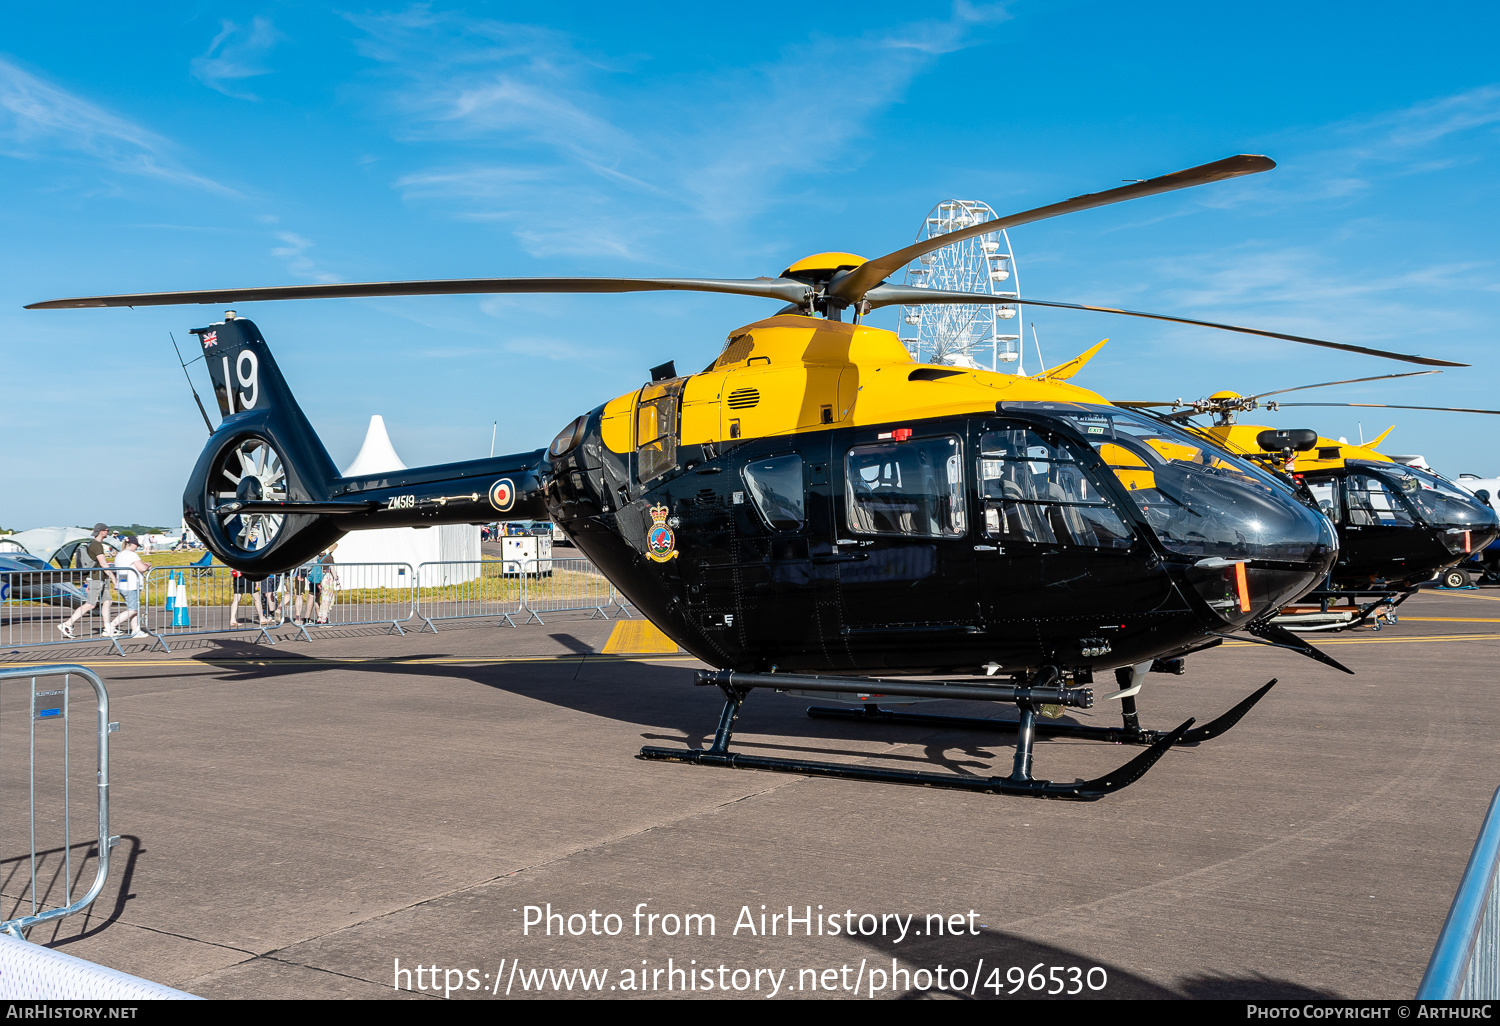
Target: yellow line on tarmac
(1453,619)
(1464,594)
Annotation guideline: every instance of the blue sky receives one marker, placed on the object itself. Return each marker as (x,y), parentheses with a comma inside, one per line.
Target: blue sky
(248,144)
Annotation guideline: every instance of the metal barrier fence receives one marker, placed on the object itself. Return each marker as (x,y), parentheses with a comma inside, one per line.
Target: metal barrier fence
(352,594)
(558,584)
(49,720)
(56,607)
(1465,963)
(187,600)
(470,589)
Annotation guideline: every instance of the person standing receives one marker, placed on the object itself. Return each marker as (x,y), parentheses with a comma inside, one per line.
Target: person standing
(92,557)
(244,586)
(129,579)
(328,583)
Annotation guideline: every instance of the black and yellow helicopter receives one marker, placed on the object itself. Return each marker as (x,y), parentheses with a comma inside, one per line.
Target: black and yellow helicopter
(814,508)
(1399,526)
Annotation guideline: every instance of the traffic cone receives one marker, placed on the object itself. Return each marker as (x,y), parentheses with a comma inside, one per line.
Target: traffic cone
(171,590)
(180,607)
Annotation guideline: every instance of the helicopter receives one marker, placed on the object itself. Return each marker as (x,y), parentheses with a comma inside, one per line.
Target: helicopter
(815,512)
(1399,526)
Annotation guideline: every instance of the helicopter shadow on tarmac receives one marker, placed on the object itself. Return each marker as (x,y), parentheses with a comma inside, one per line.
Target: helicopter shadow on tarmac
(998,948)
(658,698)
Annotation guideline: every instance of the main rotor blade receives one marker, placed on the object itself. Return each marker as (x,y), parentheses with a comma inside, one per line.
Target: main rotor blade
(1387,406)
(855,284)
(906,295)
(784,289)
(1350,381)
(1135,404)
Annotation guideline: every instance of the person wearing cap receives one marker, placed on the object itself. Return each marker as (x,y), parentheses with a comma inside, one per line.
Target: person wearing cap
(131,574)
(93,556)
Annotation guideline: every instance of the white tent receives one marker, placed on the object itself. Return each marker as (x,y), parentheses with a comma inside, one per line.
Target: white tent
(413,545)
(43,541)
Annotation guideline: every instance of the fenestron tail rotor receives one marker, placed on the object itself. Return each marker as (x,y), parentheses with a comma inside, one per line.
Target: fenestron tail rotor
(251,470)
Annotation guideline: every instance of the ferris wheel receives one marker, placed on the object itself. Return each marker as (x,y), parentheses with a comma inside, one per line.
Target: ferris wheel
(967,336)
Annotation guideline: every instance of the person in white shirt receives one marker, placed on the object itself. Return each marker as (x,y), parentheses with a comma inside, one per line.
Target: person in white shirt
(129,585)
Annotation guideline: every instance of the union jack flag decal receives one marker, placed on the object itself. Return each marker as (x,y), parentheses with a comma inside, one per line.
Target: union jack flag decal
(210,338)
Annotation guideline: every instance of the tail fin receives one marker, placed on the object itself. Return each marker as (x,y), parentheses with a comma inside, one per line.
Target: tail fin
(248,381)
(263,449)
(265,496)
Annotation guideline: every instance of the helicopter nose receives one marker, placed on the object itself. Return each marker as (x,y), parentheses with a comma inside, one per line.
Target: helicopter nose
(1255,550)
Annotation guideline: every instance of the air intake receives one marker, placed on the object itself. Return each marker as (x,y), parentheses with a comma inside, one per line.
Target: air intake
(744,398)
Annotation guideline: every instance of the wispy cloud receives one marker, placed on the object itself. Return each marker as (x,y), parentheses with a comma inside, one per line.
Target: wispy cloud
(236,54)
(39,120)
(1349,261)
(293,251)
(1344,162)
(576,155)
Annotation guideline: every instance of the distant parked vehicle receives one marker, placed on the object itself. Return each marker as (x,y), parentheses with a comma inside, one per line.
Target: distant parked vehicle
(27,578)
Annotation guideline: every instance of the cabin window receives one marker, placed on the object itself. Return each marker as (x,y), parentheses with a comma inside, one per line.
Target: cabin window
(1327,495)
(1035,491)
(776,488)
(912,488)
(656,429)
(1373,503)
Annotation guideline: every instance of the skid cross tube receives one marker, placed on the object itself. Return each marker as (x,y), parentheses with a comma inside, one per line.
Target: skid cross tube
(1129,734)
(1028,698)
(1384,604)
(1043,694)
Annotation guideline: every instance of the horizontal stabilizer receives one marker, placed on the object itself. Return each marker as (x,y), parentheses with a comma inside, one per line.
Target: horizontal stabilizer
(273,506)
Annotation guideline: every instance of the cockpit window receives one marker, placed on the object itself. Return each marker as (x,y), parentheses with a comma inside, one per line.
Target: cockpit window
(1373,503)
(1437,501)
(1198,499)
(1326,493)
(913,488)
(1035,491)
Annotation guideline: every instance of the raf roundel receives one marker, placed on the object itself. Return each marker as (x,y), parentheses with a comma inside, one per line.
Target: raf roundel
(503,495)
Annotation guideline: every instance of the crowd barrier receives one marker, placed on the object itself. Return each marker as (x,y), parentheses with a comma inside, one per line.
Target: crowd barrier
(1465,962)
(556,585)
(48,816)
(35,604)
(176,601)
(470,589)
(188,600)
(355,594)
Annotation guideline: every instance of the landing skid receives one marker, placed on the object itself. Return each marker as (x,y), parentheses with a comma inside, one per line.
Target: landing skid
(1028,699)
(1130,734)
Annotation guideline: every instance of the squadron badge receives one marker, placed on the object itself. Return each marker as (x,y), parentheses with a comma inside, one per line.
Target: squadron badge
(661,543)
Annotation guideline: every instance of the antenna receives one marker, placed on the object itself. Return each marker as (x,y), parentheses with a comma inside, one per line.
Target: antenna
(493,428)
(206,422)
(1038,348)
(1361,434)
